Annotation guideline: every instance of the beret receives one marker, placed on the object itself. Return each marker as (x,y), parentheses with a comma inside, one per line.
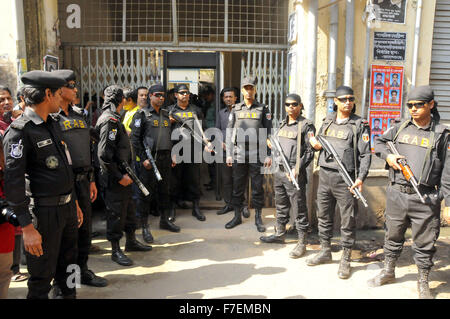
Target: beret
(156,88)
(43,79)
(344,90)
(67,75)
(421,93)
(181,87)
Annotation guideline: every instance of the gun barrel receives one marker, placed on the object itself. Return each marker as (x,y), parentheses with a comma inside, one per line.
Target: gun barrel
(135,179)
(285,163)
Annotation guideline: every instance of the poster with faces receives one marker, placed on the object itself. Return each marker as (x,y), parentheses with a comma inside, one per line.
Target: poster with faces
(386,87)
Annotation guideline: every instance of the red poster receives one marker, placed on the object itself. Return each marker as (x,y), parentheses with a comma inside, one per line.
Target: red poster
(380,122)
(386,87)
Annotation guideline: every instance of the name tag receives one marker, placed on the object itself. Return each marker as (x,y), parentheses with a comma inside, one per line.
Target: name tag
(248,115)
(44,143)
(414,140)
(184,114)
(287,134)
(337,134)
(71,124)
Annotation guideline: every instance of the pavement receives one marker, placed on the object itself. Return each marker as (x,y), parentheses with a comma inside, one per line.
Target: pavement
(205,260)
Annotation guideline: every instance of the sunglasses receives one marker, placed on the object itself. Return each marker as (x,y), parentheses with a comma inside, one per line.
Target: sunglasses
(417,105)
(345,99)
(291,104)
(159,95)
(70,86)
(184,92)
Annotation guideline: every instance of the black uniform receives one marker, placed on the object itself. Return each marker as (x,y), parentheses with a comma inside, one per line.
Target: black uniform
(426,150)
(286,195)
(226,171)
(35,150)
(114,148)
(76,134)
(351,141)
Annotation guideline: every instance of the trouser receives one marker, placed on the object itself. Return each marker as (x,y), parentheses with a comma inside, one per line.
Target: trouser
(159,190)
(6,260)
(15,267)
(241,171)
(333,190)
(403,209)
(186,182)
(120,215)
(58,228)
(82,189)
(287,197)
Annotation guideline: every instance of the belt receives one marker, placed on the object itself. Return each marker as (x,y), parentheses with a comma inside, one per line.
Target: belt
(410,190)
(53,201)
(81,176)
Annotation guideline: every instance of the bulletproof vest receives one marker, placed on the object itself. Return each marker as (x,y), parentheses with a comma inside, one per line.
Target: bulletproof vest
(340,137)
(248,118)
(76,134)
(287,135)
(157,128)
(187,115)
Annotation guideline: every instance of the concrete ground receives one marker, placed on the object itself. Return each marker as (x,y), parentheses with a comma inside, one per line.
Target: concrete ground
(205,260)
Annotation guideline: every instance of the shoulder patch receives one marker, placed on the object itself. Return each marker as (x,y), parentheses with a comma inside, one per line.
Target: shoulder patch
(137,122)
(16,150)
(112,134)
(269,116)
(366,138)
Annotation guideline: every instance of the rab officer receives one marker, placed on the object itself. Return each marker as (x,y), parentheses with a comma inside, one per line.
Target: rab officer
(35,151)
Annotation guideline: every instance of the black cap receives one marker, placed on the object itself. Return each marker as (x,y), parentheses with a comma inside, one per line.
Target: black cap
(344,90)
(248,80)
(67,75)
(294,97)
(43,80)
(181,87)
(156,88)
(421,93)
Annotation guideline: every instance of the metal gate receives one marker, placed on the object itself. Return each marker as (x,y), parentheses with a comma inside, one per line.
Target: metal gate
(269,67)
(440,59)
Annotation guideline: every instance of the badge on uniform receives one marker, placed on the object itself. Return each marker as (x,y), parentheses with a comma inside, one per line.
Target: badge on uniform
(137,123)
(365,137)
(51,162)
(310,134)
(269,116)
(17,150)
(112,134)
(44,143)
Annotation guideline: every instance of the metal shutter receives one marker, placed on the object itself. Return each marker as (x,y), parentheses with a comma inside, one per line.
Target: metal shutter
(440,60)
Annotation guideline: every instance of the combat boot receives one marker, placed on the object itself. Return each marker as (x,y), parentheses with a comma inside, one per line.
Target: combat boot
(132,243)
(165,223)
(323,257)
(172,213)
(237,219)
(90,279)
(387,275)
(118,256)
(258,221)
(225,210)
(299,249)
(422,284)
(146,234)
(344,265)
(196,211)
(277,238)
(245,212)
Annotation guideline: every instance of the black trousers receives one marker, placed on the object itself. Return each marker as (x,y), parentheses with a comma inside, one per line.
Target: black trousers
(120,214)
(287,197)
(82,190)
(159,190)
(403,210)
(186,182)
(227,182)
(58,228)
(333,191)
(241,171)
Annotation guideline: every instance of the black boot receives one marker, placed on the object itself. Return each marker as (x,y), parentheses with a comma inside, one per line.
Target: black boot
(324,255)
(344,265)
(196,211)
(245,212)
(422,284)
(146,234)
(237,219)
(225,210)
(258,221)
(299,249)
(387,275)
(118,256)
(132,243)
(165,223)
(90,279)
(277,238)
(172,213)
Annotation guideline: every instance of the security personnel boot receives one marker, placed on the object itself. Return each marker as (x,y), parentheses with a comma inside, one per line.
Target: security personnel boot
(88,278)
(258,221)
(386,276)
(225,210)
(146,234)
(172,213)
(323,257)
(344,265)
(165,223)
(299,249)
(237,219)
(196,211)
(277,238)
(132,244)
(245,212)
(422,284)
(118,256)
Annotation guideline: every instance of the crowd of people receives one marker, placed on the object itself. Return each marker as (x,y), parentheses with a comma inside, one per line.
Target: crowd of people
(140,153)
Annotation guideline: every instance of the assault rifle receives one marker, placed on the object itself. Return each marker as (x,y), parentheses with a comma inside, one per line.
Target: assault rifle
(342,170)
(276,143)
(152,161)
(406,170)
(135,179)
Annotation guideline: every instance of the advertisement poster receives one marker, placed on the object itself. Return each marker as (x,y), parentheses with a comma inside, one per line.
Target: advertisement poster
(380,122)
(386,85)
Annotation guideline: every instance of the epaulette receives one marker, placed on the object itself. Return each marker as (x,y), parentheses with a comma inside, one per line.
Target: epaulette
(365,122)
(55,116)
(113,119)
(20,122)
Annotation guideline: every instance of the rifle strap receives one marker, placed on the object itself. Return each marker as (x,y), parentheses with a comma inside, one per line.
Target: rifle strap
(299,145)
(159,134)
(430,146)
(355,149)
